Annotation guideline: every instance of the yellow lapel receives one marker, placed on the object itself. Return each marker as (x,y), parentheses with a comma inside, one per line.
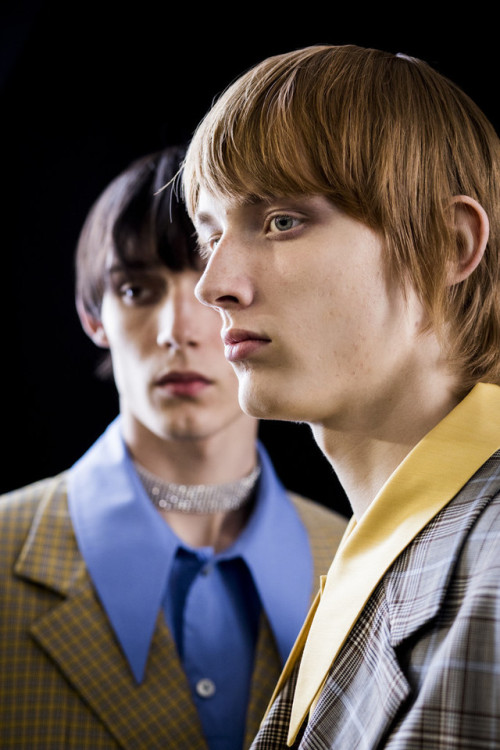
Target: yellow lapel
(434,471)
(326,531)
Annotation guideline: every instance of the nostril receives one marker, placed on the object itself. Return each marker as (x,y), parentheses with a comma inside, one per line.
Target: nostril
(169,342)
(226,298)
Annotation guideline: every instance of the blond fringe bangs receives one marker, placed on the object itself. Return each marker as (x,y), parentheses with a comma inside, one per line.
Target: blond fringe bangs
(390,141)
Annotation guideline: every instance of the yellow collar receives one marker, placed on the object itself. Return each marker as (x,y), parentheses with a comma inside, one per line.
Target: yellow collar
(428,478)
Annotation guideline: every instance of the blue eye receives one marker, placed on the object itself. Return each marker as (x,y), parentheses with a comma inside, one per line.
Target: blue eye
(283,223)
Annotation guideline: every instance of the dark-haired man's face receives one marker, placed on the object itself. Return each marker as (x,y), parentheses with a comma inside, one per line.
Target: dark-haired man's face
(167,354)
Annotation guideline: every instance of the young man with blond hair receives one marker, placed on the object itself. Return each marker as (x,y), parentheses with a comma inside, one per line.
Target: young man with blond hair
(347,204)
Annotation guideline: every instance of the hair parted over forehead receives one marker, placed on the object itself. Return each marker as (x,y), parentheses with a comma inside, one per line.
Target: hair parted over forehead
(138,220)
(390,141)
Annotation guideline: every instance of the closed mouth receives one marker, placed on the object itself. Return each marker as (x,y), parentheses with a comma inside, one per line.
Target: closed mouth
(173,378)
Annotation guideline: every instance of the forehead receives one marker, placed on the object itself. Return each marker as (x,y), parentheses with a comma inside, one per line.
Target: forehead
(208,208)
(213,208)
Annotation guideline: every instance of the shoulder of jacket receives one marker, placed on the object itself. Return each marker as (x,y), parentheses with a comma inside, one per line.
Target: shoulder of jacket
(313,512)
(24,501)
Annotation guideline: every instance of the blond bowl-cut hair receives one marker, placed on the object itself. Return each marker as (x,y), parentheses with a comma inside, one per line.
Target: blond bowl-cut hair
(390,141)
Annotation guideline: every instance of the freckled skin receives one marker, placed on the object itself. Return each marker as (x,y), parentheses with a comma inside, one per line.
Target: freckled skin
(341,334)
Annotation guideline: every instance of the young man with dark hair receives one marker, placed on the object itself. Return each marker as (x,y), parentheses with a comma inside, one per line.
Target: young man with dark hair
(150,594)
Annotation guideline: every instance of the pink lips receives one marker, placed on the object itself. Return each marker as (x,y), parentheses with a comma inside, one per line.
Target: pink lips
(182,384)
(240,344)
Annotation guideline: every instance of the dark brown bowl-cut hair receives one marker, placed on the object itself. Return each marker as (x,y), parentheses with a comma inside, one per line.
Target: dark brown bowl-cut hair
(138,220)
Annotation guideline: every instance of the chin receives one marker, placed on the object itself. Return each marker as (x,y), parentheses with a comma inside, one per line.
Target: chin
(265,404)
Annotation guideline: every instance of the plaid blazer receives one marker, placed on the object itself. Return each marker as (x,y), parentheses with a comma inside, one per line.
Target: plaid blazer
(64,682)
(421,667)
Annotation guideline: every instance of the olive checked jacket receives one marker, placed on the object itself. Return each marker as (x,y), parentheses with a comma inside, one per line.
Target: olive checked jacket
(64,681)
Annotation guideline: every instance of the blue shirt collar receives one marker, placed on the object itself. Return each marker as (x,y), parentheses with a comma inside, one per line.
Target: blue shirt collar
(129,550)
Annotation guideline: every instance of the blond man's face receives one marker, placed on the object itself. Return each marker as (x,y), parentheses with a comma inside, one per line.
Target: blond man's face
(314,329)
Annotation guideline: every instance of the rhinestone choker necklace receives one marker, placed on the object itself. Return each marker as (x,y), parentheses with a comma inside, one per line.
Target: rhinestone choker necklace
(198,498)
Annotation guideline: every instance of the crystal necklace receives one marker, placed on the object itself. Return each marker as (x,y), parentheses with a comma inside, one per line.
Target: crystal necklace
(198,498)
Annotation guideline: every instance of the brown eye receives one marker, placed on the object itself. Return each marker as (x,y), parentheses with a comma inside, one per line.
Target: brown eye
(131,292)
(142,289)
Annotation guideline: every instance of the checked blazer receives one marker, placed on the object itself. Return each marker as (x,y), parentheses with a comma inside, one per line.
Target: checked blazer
(421,667)
(64,681)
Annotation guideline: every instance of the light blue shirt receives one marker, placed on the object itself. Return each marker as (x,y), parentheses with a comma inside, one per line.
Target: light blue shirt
(211,601)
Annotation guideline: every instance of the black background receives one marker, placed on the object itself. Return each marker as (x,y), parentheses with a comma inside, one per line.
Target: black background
(86,88)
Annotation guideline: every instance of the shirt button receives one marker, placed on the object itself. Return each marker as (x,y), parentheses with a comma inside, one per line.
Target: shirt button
(205,688)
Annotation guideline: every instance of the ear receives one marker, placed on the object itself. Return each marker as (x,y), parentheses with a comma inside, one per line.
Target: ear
(92,326)
(472,231)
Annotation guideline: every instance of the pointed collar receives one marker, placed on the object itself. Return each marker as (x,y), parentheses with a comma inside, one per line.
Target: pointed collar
(129,550)
(128,553)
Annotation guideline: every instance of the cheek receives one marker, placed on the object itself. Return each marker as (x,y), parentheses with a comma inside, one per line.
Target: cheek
(131,335)
(124,345)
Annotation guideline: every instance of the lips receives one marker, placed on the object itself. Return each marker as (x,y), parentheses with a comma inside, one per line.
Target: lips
(183,383)
(240,344)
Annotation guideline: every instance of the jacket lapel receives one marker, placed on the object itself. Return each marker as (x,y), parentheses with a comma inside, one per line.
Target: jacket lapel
(416,599)
(399,608)
(76,635)
(157,713)
(402,607)
(265,675)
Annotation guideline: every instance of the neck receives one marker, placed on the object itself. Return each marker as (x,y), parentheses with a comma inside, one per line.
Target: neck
(365,456)
(202,515)
(224,456)
(219,458)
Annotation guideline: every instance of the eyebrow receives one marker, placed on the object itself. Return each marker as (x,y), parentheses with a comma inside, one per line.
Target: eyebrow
(134,265)
(204,220)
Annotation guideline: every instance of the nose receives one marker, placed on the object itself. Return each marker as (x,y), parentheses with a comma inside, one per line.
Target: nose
(178,319)
(225,282)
